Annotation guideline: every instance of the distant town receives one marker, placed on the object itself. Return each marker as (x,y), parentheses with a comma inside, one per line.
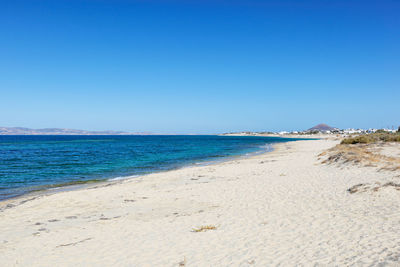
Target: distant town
(319,129)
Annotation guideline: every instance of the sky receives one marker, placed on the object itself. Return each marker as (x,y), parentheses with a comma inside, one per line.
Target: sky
(199,66)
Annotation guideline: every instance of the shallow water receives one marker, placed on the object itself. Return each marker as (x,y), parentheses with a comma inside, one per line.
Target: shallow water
(30,163)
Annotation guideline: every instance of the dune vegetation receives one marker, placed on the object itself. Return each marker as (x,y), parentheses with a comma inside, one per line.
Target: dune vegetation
(378,136)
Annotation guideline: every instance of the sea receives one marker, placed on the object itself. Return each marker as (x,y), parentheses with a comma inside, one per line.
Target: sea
(35,163)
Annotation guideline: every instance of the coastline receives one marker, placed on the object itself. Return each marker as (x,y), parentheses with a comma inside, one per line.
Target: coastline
(281,207)
(87,184)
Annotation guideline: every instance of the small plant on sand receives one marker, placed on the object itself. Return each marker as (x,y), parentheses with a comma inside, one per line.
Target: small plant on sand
(204,228)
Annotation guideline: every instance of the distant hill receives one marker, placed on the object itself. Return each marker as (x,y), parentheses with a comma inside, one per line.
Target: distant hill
(58,131)
(322,127)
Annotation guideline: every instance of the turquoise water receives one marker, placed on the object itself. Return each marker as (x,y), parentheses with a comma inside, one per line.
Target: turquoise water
(30,163)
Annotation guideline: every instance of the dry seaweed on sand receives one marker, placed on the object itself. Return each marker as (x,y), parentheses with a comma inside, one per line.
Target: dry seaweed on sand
(204,228)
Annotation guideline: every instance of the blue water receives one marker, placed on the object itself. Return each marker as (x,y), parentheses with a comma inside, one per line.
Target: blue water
(30,163)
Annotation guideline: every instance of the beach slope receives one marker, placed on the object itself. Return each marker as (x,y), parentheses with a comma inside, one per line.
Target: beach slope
(285,207)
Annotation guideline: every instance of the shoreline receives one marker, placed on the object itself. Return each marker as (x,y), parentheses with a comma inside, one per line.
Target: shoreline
(87,184)
(283,207)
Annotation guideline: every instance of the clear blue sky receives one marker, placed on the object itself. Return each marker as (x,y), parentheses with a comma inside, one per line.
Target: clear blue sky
(199,66)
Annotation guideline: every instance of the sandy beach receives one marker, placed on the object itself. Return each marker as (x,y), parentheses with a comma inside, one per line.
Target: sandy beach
(282,208)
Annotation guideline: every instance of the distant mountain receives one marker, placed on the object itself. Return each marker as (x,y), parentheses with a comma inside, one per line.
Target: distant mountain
(58,131)
(322,127)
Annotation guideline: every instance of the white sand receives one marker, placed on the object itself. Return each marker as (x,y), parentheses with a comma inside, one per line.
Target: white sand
(277,208)
(388,149)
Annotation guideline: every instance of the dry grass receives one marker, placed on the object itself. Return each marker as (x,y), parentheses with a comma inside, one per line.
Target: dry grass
(204,228)
(381,155)
(379,136)
(360,188)
(355,188)
(360,154)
